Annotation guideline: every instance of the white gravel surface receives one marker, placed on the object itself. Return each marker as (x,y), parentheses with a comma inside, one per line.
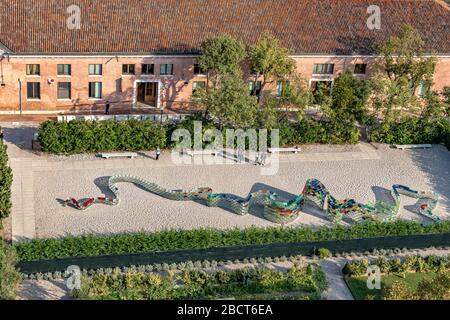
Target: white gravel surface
(363,180)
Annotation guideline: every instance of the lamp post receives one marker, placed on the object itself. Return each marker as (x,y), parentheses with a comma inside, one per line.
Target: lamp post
(20,95)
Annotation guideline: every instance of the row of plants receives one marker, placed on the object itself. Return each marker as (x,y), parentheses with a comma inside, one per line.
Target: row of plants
(94,245)
(414,263)
(9,277)
(198,284)
(131,135)
(5,182)
(94,136)
(166,267)
(413,130)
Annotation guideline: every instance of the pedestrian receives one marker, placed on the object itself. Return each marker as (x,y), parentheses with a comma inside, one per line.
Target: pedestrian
(241,158)
(158,153)
(107,108)
(257,159)
(263,158)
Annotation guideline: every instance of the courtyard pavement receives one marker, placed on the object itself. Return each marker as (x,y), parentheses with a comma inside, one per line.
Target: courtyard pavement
(361,172)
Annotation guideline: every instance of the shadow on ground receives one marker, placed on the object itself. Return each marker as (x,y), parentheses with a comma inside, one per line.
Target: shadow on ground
(435,163)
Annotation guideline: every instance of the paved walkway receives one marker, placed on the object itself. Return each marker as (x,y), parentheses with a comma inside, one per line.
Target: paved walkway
(338,288)
(24,164)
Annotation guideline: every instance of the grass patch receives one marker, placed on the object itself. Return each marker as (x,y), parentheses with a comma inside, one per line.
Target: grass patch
(359,290)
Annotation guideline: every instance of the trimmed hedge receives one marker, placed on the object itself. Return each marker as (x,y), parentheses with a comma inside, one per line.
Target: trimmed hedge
(414,263)
(411,130)
(5,182)
(95,136)
(77,136)
(306,281)
(95,245)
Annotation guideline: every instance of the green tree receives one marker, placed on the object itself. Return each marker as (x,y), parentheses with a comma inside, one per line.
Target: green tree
(221,56)
(270,60)
(230,104)
(295,95)
(446,95)
(403,57)
(349,98)
(401,68)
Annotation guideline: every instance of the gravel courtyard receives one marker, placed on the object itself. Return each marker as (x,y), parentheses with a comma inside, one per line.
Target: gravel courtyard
(363,180)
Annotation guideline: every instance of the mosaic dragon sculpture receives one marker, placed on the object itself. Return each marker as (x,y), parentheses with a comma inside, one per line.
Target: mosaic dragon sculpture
(275,209)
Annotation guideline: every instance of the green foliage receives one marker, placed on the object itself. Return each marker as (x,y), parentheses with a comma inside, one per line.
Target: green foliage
(412,130)
(269,59)
(5,183)
(9,277)
(309,131)
(95,245)
(403,57)
(221,56)
(231,104)
(95,136)
(395,266)
(437,288)
(348,99)
(197,284)
(324,253)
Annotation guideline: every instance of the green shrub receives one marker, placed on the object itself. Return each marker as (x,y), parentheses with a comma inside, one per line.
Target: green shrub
(324,253)
(94,245)
(9,277)
(95,136)
(409,264)
(5,183)
(197,284)
(411,130)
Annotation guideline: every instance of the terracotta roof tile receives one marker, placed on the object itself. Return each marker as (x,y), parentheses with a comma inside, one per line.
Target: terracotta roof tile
(172,26)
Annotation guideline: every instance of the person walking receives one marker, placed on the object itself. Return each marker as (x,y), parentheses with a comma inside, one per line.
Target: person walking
(257,159)
(158,153)
(263,158)
(241,158)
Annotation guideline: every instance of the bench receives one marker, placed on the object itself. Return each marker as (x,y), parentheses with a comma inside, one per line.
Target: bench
(194,153)
(412,146)
(130,155)
(281,150)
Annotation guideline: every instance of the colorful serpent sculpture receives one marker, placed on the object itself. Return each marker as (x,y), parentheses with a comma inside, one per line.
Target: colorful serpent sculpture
(275,209)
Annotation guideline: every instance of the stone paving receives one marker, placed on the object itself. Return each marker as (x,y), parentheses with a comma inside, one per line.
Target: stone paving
(39,180)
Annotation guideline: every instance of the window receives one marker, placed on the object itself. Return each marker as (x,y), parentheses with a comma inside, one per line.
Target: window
(128,68)
(148,69)
(64,91)
(33,70)
(64,69)
(324,68)
(198,69)
(198,85)
(166,69)
(95,90)
(281,85)
(33,90)
(360,68)
(95,70)
(255,88)
(424,87)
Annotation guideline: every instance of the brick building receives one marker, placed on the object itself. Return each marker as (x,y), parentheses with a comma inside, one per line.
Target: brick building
(143,53)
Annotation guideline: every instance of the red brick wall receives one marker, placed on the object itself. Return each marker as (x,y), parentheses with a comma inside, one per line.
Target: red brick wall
(113,80)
